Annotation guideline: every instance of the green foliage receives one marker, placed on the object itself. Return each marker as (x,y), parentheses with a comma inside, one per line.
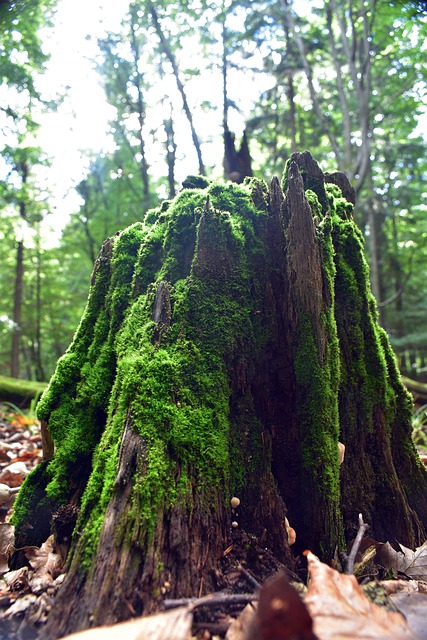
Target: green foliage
(250,40)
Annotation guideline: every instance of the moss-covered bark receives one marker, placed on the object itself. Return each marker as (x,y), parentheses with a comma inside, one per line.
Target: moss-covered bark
(229,342)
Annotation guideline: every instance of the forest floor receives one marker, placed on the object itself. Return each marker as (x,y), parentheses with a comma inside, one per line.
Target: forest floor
(27,593)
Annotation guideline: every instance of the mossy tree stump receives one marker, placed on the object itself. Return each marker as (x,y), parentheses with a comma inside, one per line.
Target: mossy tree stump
(230,341)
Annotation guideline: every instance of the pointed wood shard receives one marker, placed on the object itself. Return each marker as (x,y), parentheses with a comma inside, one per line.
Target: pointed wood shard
(303,255)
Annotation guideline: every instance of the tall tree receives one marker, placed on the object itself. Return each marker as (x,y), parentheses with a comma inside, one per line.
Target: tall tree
(21,57)
(168,52)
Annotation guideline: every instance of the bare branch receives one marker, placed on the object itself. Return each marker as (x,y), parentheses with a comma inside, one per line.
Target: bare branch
(356,545)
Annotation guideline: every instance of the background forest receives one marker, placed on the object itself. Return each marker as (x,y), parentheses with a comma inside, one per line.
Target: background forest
(345,79)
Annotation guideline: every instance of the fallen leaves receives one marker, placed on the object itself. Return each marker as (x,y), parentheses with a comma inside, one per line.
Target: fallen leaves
(334,608)
(281,613)
(20,452)
(7,541)
(341,610)
(27,591)
(411,563)
(171,625)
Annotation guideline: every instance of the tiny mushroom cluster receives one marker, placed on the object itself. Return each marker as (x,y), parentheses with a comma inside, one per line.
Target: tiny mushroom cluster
(234,504)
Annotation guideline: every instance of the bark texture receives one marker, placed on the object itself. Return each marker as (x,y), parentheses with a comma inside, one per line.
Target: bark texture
(229,343)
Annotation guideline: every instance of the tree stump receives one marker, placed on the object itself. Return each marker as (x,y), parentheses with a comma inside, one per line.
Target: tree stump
(230,341)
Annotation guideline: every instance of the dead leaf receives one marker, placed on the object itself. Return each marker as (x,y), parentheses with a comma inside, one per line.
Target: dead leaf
(399,586)
(239,628)
(20,606)
(340,609)
(412,563)
(44,560)
(413,606)
(170,625)
(281,612)
(17,580)
(7,541)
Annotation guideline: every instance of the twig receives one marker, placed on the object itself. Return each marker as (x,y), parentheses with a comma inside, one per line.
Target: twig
(249,577)
(356,544)
(211,600)
(215,628)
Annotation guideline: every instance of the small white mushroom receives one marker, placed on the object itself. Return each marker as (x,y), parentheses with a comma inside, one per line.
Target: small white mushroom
(341,452)
(234,524)
(234,502)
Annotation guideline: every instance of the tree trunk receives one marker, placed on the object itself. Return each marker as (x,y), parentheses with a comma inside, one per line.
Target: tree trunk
(237,164)
(224,351)
(22,169)
(17,310)
(186,107)
(171,148)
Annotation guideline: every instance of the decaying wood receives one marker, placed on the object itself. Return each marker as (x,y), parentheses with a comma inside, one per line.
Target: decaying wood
(277,270)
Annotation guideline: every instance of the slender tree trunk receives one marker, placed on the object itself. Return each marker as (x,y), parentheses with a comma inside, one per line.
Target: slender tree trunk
(171,148)
(315,100)
(19,279)
(223,352)
(170,56)
(40,376)
(17,310)
(138,83)
(346,120)
(291,89)
(292,112)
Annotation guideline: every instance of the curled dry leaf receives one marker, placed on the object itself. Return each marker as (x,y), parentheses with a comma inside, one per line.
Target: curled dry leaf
(340,609)
(44,560)
(413,563)
(413,606)
(400,586)
(170,625)
(7,541)
(17,580)
(239,628)
(281,613)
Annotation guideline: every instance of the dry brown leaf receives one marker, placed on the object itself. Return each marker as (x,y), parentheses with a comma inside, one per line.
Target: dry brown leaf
(17,580)
(170,625)
(400,586)
(238,629)
(413,606)
(44,560)
(340,610)
(7,541)
(412,563)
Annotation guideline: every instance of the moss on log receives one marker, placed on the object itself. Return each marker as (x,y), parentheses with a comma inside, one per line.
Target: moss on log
(19,391)
(417,388)
(230,341)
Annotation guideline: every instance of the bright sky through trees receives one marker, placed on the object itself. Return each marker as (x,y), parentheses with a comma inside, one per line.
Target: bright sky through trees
(81,121)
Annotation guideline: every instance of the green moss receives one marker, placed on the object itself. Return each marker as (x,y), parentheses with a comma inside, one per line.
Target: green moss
(182,390)
(33,508)
(20,389)
(176,391)
(195,182)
